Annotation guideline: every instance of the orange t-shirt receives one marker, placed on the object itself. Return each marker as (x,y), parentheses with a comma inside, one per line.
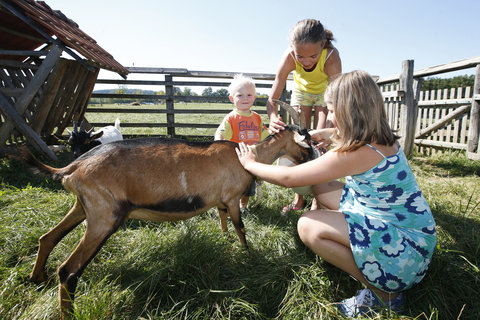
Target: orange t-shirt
(241,127)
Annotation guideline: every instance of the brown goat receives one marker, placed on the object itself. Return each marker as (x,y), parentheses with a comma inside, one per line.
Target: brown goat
(155,179)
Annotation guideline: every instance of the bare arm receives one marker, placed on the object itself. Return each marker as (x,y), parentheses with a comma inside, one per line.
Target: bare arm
(330,166)
(287,65)
(333,66)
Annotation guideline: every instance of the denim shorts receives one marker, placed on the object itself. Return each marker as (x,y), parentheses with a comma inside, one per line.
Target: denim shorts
(250,190)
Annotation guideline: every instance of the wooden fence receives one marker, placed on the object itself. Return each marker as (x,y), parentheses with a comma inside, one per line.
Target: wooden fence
(426,120)
(436,119)
(166,103)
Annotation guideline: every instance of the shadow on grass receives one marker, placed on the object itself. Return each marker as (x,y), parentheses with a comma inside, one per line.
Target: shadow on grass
(16,173)
(197,275)
(451,284)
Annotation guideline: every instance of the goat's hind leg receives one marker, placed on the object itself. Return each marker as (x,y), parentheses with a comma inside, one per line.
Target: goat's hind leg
(223,213)
(101,224)
(97,233)
(48,241)
(234,210)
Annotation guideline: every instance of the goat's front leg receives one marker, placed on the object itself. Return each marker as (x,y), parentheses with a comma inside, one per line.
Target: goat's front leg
(234,210)
(48,241)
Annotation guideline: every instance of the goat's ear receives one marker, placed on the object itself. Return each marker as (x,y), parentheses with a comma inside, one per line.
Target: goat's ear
(300,140)
(96,135)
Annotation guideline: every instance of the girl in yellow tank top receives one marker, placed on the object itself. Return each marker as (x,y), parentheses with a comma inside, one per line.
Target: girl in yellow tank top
(314,62)
(315,81)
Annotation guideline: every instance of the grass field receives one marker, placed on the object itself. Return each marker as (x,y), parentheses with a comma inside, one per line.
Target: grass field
(190,270)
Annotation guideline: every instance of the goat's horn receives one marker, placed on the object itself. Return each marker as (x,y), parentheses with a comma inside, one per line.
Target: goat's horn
(75,129)
(296,115)
(82,126)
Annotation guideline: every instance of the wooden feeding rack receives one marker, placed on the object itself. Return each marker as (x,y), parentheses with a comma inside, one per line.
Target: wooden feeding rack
(41,92)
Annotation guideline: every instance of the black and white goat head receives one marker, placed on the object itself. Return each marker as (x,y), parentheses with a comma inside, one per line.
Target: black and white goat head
(82,140)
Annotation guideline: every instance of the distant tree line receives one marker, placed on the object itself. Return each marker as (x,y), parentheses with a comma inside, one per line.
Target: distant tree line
(188,92)
(432,83)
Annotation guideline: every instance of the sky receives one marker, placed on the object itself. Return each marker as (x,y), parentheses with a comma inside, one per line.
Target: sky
(250,36)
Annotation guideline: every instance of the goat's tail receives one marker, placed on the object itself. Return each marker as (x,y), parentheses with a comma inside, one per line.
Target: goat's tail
(117,124)
(23,154)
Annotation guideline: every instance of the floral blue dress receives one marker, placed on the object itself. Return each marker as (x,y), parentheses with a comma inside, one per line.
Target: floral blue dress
(391,227)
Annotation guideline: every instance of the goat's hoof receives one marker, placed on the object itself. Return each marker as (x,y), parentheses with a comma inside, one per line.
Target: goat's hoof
(38,279)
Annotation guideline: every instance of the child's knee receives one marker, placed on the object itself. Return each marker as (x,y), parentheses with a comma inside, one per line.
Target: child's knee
(304,227)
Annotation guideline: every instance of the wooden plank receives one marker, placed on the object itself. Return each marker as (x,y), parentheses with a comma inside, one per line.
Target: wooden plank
(452,102)
(21,34)
(9,111)
(181,72)
(17,64)
(6,79)
(441,122)
(464,134)
(409,109)
(166,97)
(175,83)
(12,92)
(170,106)
(164,111)
(440,144)
(51,89)
(86,92)
(39,53)
(443,68)
(133,125)
(456,126)
(22,103)
(473,155)
(79,76)
(474,130)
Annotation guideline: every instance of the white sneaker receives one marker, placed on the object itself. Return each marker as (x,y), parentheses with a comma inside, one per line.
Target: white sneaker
(366,301)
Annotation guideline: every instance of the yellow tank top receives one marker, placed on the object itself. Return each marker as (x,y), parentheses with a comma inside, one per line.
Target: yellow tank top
(315,81)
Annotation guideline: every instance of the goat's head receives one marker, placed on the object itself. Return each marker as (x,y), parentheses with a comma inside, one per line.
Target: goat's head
(302,149)
(298,147)
(81,140)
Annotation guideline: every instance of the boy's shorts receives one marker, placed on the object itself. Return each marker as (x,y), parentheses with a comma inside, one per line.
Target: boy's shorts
(301,98)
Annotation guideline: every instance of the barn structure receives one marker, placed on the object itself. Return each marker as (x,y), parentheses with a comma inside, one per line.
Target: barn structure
(48,68)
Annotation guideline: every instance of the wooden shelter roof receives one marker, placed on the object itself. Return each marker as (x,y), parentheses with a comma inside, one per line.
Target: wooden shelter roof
(29,24)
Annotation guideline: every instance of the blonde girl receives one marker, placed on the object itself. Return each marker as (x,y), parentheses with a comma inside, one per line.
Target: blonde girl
(377,226)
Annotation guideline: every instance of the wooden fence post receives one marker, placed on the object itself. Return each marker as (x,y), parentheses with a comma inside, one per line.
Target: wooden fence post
(473,133)
(408,108)
(170,105)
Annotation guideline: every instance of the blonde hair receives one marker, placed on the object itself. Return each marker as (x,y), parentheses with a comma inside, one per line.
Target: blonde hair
(238,81)
(359,112)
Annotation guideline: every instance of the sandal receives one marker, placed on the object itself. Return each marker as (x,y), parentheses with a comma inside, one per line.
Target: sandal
(291,207)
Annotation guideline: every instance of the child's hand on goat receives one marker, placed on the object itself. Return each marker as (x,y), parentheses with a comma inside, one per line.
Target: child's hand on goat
(246,154)
(322,137)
